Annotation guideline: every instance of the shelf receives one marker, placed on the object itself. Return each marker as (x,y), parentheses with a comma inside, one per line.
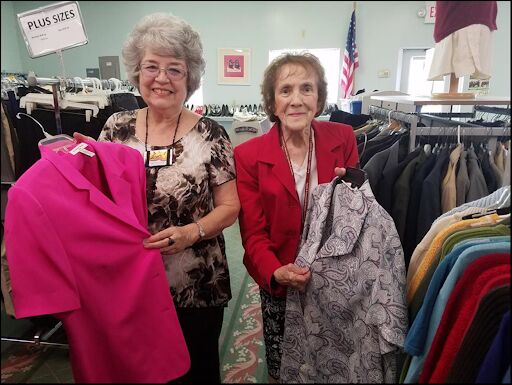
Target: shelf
(230,118)
(426,100)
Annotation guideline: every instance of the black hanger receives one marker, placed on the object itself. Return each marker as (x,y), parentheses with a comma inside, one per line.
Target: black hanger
(499,211)
(354,176)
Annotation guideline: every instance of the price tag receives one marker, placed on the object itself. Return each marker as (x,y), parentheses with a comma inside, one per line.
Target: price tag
(80,147)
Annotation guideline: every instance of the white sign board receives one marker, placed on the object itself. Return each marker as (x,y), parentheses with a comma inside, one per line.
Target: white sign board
(430,15)
(52,28)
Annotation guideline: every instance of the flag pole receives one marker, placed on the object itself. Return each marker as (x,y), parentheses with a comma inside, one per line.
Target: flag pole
(354,75)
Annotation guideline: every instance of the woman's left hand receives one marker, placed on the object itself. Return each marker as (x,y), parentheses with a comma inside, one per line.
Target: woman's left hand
(173,239)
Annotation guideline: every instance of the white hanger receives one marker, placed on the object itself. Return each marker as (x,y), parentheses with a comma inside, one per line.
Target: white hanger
(504,199)
(31,100)
(118,86)
(97,97)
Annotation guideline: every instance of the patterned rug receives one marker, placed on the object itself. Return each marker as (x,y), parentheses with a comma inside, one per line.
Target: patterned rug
(243,351)
(21,361)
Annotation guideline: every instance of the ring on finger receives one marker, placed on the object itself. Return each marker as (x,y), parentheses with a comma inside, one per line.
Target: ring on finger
(170,241)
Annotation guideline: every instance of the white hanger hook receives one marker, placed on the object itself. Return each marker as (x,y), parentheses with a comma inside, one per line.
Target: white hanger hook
(35,120)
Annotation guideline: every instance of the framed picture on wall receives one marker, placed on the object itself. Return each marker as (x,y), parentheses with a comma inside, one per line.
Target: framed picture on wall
(234,66)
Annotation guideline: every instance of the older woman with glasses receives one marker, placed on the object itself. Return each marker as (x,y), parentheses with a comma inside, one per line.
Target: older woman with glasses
(190,180)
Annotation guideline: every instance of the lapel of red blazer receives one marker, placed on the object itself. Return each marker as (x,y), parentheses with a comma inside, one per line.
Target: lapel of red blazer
(272,154)
(328,152)
(122,207)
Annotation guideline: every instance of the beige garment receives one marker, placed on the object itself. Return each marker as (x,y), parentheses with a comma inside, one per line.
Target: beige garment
(499,157)
(448,186)
(6,283)
(438,225)
(466,51)
(506,173)
(495,170)
(6,137)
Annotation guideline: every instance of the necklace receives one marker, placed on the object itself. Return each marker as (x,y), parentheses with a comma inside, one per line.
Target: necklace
(157,158)
(308,171)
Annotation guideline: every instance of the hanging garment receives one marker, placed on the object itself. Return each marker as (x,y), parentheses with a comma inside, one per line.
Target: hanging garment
(419,342)
(74,233)
(457,315)
(401,193)
(351,321)
(478,339)
(462,179)
(497,360)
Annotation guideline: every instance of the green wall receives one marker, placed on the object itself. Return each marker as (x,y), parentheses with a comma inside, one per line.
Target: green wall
(382,29)
(11,49)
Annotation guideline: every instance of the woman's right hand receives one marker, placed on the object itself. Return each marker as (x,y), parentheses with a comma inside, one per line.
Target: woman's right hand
(293,275)
(82,138)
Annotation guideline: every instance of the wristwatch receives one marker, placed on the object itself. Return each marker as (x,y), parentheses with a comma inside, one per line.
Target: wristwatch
(202,234)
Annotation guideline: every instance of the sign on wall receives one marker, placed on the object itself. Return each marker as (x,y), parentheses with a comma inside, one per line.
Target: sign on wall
(430,15)
(52,28)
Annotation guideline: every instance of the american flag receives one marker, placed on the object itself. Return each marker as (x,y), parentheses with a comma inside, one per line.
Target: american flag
(350,60)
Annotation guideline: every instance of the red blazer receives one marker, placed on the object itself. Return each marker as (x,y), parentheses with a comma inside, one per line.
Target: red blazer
(270,215)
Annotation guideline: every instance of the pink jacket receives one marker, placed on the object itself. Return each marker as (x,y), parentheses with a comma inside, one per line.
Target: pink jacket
(74,229)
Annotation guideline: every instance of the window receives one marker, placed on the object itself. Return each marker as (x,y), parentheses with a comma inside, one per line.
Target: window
(196,98)
(330,59)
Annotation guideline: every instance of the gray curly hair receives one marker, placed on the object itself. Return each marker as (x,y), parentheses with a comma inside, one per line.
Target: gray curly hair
(165,35)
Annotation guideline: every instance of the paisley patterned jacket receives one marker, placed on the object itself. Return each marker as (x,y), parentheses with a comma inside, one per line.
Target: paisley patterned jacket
(351,321)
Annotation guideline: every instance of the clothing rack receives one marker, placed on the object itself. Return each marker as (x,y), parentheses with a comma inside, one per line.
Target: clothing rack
(40,338)
(449,127)
(412,119)
(61,85)
(449,122)
(106,84)
(494,110)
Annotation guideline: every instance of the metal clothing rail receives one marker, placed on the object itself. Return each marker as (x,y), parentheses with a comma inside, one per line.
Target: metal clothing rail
(392,114)
(412,119)
(40,339)
(447,122)
(449,127)
(464,131)
(106,84)
(494,110)
(491,133)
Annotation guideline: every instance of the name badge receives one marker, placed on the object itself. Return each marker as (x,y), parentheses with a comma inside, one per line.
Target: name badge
(159,158)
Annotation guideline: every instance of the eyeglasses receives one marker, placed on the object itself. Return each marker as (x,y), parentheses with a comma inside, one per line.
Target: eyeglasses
(152,71)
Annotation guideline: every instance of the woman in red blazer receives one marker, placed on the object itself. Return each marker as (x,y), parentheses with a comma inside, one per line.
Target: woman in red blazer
(275,175)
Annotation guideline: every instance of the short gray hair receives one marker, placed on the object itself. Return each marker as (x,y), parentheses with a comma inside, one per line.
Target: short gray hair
(307,61)
(166,35)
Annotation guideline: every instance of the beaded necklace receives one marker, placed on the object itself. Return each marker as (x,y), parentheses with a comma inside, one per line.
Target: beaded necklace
(308,171)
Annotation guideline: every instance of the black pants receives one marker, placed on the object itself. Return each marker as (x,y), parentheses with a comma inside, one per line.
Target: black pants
(201,328)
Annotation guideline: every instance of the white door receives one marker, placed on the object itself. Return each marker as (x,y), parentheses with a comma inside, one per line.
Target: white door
(413,68)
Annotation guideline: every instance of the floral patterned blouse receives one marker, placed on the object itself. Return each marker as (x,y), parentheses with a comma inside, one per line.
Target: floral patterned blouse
(180,194)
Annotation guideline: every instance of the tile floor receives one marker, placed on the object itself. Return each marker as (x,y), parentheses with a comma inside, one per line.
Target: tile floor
(51,365)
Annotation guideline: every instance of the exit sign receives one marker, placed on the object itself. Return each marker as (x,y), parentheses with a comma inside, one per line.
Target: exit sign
(430,16)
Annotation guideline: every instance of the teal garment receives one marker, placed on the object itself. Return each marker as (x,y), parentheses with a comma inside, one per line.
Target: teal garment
(420,337)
